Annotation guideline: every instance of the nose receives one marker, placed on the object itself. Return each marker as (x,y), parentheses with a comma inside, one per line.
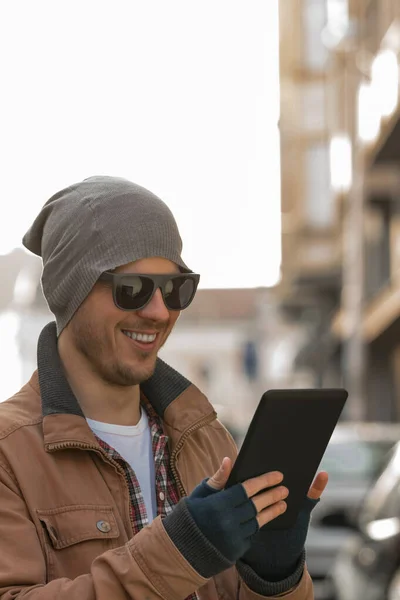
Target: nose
(155,309)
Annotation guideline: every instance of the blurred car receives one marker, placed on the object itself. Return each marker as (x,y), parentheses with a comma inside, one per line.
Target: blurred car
(368,566)
(353,460)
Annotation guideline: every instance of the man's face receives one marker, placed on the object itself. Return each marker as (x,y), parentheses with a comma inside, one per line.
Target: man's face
(99,329)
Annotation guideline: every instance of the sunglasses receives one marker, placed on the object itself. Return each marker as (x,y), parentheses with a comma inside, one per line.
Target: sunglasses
(134,291)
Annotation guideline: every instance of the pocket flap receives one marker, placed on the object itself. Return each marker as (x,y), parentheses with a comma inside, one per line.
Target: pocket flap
(70,525)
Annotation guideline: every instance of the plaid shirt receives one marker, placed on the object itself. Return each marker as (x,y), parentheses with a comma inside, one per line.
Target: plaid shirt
(166,490)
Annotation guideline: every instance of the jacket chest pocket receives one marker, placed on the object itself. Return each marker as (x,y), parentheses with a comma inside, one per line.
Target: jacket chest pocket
(74,536)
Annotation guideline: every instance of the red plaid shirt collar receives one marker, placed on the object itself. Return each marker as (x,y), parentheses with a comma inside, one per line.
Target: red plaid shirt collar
(166,489)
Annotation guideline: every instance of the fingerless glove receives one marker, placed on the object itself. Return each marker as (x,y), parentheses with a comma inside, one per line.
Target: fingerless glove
(213,528)
(277,555)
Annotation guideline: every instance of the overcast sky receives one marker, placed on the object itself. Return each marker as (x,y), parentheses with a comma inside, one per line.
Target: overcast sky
(181,97)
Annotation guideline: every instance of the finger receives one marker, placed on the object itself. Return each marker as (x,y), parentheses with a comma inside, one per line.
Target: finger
(256,484)
(320,482)
(266,499)
(219,479)
(271,513)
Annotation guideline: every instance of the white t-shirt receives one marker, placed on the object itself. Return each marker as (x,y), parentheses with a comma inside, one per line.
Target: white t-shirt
(134,444)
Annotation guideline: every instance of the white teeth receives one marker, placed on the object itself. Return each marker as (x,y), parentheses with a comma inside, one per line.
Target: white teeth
(140,337)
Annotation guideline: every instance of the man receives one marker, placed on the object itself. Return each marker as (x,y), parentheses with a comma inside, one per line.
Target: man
(105,453)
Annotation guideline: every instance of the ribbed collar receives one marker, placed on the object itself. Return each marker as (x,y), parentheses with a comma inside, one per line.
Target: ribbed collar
(161,389)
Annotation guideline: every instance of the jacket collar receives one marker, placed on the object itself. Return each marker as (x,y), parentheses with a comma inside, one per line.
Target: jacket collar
(174,398)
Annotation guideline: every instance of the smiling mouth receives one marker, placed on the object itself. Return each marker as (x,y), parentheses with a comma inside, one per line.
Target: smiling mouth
(140,337)
(143,341)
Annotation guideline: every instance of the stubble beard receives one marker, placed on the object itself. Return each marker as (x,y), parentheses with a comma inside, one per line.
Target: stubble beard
(91,345)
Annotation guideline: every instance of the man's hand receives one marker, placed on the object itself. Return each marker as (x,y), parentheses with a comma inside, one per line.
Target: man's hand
(269,504)
(219,479)
(276,555)
(230,518)
(223,521)
(317,489)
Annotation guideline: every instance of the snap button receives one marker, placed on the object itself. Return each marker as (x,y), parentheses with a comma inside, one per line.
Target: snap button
(103,526)
(161,495)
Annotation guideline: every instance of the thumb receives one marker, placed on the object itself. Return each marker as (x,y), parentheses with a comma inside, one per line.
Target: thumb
(219,479)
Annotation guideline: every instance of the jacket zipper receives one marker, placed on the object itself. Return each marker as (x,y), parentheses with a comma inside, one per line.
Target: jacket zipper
(204,421)
(84,446)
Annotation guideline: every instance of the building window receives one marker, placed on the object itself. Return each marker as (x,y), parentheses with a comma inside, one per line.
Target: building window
(377,246)
(319,201)
(315,53)
(313,106)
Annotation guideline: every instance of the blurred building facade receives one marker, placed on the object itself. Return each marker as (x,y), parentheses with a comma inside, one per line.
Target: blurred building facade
(311,229)
(340,128)
(368,321)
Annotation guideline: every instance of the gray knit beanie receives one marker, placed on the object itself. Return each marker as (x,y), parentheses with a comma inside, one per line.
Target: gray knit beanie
(94,226)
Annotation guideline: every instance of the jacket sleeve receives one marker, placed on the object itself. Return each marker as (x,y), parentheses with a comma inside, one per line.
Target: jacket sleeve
(149,566)
(303,591)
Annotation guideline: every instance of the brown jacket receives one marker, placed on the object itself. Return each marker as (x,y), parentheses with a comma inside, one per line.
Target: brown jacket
(56,485)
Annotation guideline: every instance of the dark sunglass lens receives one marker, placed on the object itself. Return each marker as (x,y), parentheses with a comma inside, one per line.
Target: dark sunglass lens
(178,292)
(133,292)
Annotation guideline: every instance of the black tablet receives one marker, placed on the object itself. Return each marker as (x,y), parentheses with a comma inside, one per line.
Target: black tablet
(289,433)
